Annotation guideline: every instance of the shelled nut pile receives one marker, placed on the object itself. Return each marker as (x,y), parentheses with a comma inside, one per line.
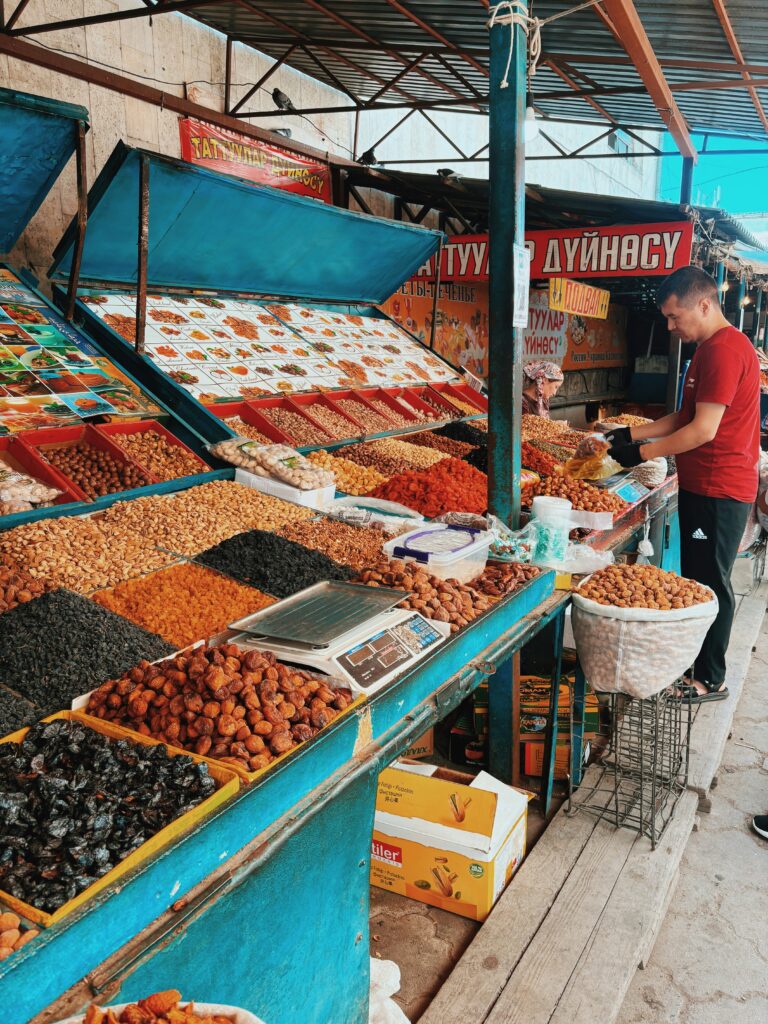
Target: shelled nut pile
(350,477)
(95,472)
(390,456)
(465,407)
(582,495)
(443,410)
(356,546)
(334,423)
(241,707)
(243,429)
(458,449)
(373,422)
(183,603)
(398,419)
(443,600)
(296,426)
(165,461)
(419,416)
(191,521)
(643,586)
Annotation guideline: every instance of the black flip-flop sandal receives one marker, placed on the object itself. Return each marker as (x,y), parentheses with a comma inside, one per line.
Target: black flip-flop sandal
(688,694)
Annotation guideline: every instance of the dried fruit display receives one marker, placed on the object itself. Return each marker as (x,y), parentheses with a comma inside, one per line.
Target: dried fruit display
(395,418)
(17,587)
(272,563)
(501,578)
(76,803)
(465,407)
(643,586)
(582,495)
(79,554)
(240,707)
(191,521)
(435,598)
(559,452)
(449,486)
(537,460)
(95,472)
(184,603)
(164,460)
(14,934)
(467,432)
(356,546)
(61,645)
(15,712)
(428,439)
(159,1008)
(542,429)
(350,477)
(443,410)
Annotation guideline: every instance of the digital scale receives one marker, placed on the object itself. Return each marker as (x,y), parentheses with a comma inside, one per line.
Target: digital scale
(630,490)
(346,630)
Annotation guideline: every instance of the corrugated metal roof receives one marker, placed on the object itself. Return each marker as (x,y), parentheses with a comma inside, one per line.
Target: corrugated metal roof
(365,45)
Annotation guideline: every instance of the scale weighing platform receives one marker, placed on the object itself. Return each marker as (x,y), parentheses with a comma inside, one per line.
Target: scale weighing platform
(630,490)
(346,630)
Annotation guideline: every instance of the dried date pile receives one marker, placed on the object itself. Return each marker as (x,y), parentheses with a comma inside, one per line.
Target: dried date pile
(74,804)
(61,645)
(271,563)
(643,586)
(501,578)
(241,707)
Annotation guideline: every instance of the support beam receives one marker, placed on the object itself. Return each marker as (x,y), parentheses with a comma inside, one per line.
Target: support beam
(442,133)
(686,181)
(569,80)
(327,71)
(81,172)
(228,75)
(141,274)
(17,13)
(735,49)
(506,228)
(386,134)
(430,30)
(720,279)
(626,22)
(265,77)
(104,19)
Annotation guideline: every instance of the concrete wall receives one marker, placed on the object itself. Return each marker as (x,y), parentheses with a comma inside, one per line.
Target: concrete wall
(182,57)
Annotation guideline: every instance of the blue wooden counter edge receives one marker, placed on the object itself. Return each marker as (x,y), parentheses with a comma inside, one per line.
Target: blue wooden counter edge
(62,955)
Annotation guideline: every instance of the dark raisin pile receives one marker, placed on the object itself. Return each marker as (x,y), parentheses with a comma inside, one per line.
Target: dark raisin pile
(74,804)
(15,712)
(271,563)
(61,645)
(461,431)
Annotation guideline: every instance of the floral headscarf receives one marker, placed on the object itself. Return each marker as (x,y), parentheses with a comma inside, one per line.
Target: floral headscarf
(537,372)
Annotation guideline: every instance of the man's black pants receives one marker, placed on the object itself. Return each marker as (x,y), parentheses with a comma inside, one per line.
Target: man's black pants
(710,532)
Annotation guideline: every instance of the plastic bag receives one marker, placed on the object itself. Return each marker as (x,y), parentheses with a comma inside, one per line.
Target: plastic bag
(581,559)
(637,651)
(385,981)
(274,460)
(238,1016)
(651,474)
(393,518)
(20,492)
(592,461)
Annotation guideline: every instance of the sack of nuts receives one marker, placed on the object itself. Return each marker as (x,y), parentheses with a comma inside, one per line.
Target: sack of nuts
(638,628)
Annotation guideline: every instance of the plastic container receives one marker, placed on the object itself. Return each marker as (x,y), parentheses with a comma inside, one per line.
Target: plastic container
(319,497)
(551,523)
(449,552)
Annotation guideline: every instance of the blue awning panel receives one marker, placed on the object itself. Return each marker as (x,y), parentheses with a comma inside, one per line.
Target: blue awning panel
(214,231)
(37,138)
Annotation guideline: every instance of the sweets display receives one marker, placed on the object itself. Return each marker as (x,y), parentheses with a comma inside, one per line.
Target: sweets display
(350,477)
(159,1008)
(272,563)
(355,546)
(95,471)
(61,645)
(81,554)
(184,603)
(13,935)
(164,460)
(449,486)
(241,707)
(443,600)
(582,495)
(500,578)
(20,492)
(643,586)
(76,803)
(189,522)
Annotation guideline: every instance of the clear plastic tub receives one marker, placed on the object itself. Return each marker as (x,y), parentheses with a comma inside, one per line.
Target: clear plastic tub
(450,552)
(319,497)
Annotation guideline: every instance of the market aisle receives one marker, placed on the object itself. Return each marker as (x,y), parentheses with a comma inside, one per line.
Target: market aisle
(710,961)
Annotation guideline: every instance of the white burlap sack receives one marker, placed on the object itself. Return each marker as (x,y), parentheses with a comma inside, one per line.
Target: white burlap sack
(637,651)
(238,1016)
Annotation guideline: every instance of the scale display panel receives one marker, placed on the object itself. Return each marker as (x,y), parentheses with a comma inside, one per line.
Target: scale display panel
(387,651)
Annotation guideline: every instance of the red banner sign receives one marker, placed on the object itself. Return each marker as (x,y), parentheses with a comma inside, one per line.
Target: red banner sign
(260,162)
(636,250)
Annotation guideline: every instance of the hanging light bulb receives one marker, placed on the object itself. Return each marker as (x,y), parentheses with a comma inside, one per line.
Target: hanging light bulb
(531,127)
(725,286)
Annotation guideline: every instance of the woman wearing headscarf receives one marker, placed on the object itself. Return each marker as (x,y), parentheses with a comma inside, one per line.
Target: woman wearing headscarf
(541,384)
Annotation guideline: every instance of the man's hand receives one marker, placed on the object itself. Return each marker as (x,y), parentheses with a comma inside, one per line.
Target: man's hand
(618,435)
(627,455)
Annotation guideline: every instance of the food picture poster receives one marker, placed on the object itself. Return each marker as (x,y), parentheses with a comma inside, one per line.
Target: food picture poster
(49,374)
(461,330)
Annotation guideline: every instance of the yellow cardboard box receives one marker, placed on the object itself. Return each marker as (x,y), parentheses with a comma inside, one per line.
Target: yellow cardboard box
(424,746)
(446,838)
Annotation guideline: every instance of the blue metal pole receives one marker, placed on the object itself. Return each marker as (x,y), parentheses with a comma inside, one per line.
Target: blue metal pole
(686,181)
(756,320)
(506,228)
(741,295)
(720,278)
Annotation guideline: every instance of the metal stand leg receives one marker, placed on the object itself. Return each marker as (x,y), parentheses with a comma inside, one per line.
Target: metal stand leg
(577,744)
(550,739)
(501,732)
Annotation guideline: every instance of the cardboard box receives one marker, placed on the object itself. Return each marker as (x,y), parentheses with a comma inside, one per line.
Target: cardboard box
(533,757)
(424,746)
(445,838)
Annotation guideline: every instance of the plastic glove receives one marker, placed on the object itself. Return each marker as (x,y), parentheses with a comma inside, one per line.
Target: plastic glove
(627,455)
(619,435)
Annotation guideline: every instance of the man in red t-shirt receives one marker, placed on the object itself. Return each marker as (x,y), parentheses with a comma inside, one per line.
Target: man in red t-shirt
(716,439)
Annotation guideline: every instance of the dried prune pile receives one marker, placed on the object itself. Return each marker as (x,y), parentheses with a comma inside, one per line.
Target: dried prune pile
(74,804)
(278,566)
(461,431)
(61,645)
(15,712)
